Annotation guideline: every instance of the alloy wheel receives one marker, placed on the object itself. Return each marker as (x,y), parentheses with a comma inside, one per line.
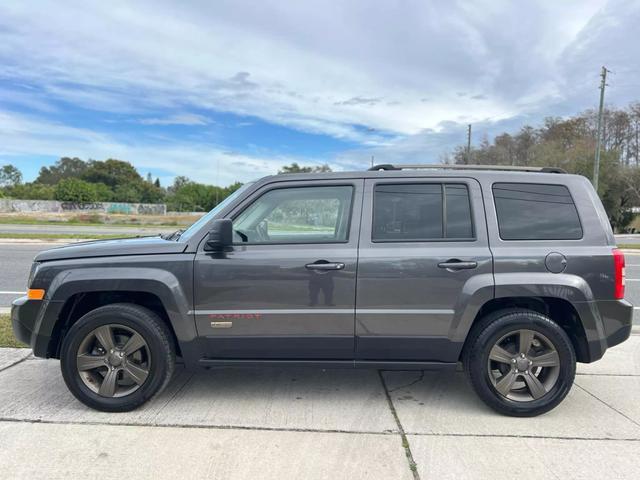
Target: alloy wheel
(523,365)
(113,360)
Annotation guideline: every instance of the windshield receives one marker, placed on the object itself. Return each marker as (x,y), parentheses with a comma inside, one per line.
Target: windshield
(188,233)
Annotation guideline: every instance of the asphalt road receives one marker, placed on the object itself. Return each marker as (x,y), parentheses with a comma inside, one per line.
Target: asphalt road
(633,239)
(15,261)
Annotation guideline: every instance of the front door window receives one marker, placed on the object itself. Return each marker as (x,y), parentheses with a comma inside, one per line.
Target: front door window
(296,215)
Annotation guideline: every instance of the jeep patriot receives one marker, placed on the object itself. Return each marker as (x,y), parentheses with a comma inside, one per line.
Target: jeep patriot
(512,271)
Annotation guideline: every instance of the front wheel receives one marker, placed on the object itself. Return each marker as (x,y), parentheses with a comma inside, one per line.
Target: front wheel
(520,362)
(117,357)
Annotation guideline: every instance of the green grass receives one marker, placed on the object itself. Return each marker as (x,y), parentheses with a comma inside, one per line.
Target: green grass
(6,333)
(28,221)
(61,236)
(629,245)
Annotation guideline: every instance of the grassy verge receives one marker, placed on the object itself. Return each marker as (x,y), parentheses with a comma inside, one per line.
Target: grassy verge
(60,236)
(89,224)
(6,333)
(93,219)
(630,245)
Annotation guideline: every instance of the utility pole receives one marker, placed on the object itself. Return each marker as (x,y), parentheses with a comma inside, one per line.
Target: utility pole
(372,161)
(469,144)
(596,163)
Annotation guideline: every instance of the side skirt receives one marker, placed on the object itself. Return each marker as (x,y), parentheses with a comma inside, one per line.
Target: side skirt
(375,364)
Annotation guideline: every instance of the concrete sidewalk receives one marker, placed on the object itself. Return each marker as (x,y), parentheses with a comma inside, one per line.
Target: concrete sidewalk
(319,424)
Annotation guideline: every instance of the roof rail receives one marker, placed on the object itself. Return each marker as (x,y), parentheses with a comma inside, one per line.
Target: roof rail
(444,166)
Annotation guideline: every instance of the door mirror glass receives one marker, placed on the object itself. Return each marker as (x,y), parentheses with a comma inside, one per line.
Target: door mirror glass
(220,235)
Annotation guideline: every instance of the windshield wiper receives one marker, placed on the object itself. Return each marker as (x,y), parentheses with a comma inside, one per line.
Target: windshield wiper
(175,235)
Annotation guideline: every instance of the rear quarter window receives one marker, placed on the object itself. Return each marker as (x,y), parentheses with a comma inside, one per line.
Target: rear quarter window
(528,211)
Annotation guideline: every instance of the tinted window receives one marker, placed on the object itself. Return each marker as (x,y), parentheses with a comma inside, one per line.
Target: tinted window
(297,215)
(458,210)
(536,212)
(415,212)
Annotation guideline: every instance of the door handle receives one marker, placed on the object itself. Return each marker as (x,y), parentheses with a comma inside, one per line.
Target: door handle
(320,265)
(455,264)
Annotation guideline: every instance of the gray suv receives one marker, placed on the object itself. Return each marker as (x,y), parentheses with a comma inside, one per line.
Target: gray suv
(513,273)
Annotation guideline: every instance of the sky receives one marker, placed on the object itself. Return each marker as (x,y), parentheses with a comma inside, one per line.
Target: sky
(232,90)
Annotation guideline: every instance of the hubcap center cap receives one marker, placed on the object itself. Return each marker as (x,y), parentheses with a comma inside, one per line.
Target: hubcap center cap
(115,359)
(522,364)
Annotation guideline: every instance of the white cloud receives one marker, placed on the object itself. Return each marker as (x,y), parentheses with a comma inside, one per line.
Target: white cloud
(178,119)
(400,70)
(202,162)
(300,63)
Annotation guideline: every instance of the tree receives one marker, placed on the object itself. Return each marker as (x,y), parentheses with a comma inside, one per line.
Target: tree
(295,168)
(157,182)
(112,173)
(188,196)
(66,167)
(10,176)
(30,191)
(570,143)
(178,183)
(75,190)
(149,193)
(127,193)
(103,193)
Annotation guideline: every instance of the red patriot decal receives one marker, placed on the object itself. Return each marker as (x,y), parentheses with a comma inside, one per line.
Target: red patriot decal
(231,316)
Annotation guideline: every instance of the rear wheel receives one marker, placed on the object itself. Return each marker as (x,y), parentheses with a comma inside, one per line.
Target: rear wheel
(117,357)
(520,362)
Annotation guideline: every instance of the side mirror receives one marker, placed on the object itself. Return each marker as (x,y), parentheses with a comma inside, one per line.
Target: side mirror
(220,235)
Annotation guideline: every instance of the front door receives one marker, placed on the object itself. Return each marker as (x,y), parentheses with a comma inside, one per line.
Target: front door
(422,240)
(287,288)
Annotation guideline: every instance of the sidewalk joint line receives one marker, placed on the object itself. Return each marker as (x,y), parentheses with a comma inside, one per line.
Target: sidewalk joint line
(302,430)
(405,441)
(15,363)
(418,380)
(531,437)
(192,374)
(610,406)
(194,426)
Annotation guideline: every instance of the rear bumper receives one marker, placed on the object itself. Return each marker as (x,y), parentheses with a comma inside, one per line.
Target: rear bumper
(616,320)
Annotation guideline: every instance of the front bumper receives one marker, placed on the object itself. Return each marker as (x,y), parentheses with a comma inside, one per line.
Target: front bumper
(25,316)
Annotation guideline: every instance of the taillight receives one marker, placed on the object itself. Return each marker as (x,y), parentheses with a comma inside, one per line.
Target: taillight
(618,262)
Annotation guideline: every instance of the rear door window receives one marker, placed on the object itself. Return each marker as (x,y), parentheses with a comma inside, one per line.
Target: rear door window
(414,212)
(528,211)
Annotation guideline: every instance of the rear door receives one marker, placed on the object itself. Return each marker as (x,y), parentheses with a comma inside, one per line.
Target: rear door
(422,240)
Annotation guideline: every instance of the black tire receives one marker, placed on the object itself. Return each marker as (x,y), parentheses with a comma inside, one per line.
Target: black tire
(499,325)
(159,349)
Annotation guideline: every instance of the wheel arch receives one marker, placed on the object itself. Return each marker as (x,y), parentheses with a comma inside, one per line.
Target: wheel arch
(76,291)
(560,310)
(82,303)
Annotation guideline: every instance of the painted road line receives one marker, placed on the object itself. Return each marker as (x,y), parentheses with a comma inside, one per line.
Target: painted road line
(12,293)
